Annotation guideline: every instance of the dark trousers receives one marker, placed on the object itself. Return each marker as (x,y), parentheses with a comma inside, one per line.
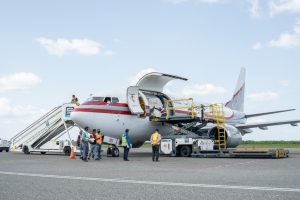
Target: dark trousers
(81,150)
(126,151)
(85,150)
(155,152)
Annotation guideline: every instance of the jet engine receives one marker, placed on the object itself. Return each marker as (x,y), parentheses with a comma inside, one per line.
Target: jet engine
(233,135)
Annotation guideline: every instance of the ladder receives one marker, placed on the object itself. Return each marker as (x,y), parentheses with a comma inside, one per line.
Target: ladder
(217,112)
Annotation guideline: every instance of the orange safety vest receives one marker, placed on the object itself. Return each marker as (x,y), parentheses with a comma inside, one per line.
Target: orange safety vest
(98,139)
(155,138)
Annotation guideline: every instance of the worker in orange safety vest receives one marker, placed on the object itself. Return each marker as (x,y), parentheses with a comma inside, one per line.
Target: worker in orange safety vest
(99,140)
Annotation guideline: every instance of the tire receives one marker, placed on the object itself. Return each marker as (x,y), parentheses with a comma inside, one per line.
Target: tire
(26,150)
(1,150)
(67,151)
(43,153)
(7,150)
(109,151)
(185,151)
(115,152)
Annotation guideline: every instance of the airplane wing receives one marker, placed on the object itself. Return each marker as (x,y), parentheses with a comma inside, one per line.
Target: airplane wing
(264,125)
(268,113)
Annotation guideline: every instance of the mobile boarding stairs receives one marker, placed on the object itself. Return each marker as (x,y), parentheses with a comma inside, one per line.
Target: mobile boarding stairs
(49,127)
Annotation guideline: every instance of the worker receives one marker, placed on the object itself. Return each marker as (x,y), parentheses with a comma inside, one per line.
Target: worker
(163,112)
(92,142)
(79,143)
(98,145)
(77,102)
(85,144)
(155,141)
(73,99)
(126,143)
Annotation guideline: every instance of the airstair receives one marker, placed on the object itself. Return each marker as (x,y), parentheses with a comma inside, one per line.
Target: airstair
(50,126)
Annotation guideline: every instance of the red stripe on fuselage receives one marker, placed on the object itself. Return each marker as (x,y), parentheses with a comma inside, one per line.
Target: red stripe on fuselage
(106,104)
(93,110)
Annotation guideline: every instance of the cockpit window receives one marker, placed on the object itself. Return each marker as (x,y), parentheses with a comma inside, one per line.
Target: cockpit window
(115,100)
(95,99)
(103,99)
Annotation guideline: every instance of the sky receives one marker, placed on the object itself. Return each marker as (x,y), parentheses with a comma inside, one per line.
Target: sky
(50,50)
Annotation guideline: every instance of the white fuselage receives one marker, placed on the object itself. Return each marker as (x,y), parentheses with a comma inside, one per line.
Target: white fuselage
(113,118)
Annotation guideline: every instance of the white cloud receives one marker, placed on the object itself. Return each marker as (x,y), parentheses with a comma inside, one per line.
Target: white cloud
(284,83)
(263,97)
(108,53)
(63,46)
(9,113)
(254,8)
(291,6)
(288,40)
(202,90)
(134,79)
(257,46)
(18,81)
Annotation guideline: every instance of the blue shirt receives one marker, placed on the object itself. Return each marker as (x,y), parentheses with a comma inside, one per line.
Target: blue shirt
(128,139)
(85,136)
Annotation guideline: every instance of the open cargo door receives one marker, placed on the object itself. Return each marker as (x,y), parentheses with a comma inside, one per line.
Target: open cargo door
(133,100)
(156,81)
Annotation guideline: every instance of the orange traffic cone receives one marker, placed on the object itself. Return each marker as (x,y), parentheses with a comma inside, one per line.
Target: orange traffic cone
(72,154)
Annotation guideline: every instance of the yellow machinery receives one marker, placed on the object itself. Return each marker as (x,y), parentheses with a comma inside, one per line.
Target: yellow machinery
(190,107)
(217,113)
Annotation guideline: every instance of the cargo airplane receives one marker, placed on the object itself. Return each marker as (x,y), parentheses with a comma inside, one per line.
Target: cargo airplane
(113,116)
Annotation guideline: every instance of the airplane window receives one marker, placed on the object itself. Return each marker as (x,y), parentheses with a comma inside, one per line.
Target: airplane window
(95,99)
(115,100)
(98,99)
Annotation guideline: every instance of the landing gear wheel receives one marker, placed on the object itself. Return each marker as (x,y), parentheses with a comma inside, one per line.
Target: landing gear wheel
(26,150)
(115,152)
(185,151)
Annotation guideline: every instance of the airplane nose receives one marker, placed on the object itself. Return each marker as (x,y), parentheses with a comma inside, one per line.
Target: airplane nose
(80,118)
(75,117)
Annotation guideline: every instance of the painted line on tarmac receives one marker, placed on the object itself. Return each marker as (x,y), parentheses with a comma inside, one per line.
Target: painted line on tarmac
(233,187)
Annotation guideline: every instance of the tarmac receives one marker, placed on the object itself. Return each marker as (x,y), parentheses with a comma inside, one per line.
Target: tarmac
(53,176)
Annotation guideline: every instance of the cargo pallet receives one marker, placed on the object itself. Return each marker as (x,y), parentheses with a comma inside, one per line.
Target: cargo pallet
(275,153)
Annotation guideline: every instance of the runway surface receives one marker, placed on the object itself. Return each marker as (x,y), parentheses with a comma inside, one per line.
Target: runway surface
(39,176)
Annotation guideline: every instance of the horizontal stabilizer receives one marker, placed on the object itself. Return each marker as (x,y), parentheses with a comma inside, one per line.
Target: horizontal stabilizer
(268,113)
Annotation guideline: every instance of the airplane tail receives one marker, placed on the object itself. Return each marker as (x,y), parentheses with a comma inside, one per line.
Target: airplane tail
(237,101)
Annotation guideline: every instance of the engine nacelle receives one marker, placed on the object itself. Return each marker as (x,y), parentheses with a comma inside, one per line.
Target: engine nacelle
(233,135)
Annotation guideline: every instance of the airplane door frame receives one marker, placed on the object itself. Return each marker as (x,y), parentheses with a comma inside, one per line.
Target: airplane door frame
(133,100)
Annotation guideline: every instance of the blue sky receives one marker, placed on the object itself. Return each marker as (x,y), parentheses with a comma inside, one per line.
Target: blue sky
(51,50)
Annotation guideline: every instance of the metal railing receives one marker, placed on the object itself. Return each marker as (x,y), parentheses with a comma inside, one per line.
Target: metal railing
(190,108)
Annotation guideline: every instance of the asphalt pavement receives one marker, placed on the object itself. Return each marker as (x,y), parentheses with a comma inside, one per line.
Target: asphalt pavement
(52,177)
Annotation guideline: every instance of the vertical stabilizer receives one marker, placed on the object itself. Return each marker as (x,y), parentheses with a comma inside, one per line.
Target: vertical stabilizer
(237,101)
